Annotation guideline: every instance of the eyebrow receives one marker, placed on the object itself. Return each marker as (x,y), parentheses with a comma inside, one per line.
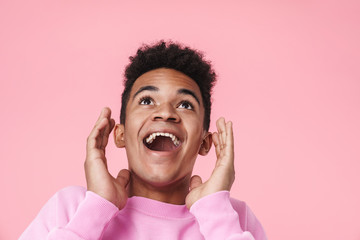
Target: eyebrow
(188,92)
(146,88)
(183,91)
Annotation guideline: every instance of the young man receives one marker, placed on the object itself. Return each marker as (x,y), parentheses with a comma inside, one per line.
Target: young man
(164,124)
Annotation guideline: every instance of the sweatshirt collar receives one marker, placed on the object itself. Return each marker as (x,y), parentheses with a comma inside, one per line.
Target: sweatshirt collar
(157,208)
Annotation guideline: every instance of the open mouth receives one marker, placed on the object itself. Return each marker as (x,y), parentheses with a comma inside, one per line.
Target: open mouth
(160,141)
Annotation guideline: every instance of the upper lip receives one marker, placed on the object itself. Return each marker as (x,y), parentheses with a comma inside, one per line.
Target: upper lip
(164,130)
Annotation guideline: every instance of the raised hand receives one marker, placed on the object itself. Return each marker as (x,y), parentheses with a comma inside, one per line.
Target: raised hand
(223,174)
(98,178)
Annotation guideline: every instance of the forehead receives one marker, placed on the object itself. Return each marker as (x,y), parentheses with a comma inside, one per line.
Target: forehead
(166,79)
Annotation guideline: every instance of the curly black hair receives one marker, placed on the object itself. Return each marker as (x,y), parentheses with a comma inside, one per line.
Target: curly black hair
(173,56)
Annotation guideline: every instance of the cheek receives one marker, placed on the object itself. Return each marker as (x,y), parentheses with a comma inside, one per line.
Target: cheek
(194,122)
(195,133)
(131,130)
(137,116)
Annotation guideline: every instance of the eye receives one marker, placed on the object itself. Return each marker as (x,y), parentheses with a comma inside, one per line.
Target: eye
(146,101)
(186,105)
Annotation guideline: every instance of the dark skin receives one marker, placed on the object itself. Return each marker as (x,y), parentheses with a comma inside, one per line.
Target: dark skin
(162,176)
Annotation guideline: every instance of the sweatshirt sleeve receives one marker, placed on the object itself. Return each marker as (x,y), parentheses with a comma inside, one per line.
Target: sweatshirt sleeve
(217,219)
(73,213)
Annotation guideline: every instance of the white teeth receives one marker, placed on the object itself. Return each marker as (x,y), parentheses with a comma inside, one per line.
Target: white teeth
(152,137)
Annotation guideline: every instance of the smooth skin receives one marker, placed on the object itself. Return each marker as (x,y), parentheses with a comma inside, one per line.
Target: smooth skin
(223,174)
(98,178)
(116,190)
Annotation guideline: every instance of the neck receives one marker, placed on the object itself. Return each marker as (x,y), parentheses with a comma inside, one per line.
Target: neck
(174,193)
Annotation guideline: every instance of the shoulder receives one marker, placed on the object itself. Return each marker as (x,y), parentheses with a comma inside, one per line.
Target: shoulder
(57,212)
(67,196)
(71,193)
(248,220)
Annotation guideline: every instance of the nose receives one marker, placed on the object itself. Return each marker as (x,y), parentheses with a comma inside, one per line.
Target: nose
(165,112)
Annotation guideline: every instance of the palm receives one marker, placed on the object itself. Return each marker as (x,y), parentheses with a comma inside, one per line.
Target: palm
(223,174)
(98,178)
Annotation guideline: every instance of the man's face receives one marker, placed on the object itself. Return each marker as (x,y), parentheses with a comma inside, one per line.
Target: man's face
(163,129)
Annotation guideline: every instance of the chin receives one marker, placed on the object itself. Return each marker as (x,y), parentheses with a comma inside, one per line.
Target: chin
(164,179)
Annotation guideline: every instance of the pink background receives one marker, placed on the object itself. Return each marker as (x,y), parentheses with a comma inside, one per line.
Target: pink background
(289,78)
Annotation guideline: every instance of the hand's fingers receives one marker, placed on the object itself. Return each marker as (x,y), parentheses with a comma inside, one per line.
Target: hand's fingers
(112,121)
(105,113)
(123,177)
(223,132)
(229,134)
(195,182)
(220,124)
(225,141)
(106,133)
(229,141)
(95,135)
(96,131)
(216,141)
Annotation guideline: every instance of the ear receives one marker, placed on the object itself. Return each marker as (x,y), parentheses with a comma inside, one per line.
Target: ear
(206,144)
(119,135)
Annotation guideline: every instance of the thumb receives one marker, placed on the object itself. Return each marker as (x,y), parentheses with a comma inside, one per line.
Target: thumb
(123,177)
(195,182)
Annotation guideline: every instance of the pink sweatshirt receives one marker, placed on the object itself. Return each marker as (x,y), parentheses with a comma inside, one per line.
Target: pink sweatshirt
(74,213)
